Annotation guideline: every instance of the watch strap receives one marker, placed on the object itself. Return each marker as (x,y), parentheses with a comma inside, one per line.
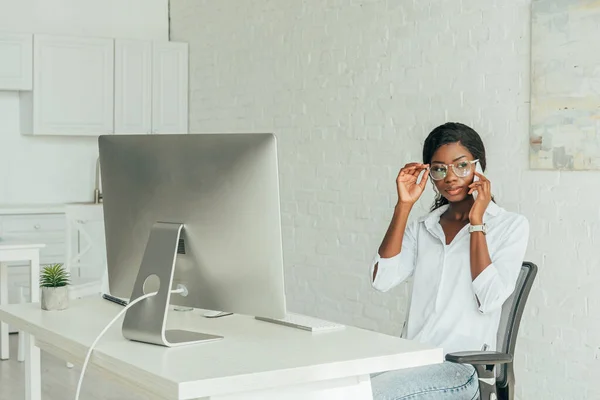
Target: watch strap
(478,228)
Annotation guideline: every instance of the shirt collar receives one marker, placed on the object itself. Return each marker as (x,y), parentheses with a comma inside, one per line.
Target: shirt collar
(434,216)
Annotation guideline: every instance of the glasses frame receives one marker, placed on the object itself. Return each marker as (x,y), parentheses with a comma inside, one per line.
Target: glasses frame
(453,169)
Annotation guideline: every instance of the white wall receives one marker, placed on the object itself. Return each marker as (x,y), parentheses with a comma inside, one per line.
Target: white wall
(54,169)
(352,88)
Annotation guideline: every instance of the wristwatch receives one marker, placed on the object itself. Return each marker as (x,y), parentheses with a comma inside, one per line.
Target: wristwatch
(478,228)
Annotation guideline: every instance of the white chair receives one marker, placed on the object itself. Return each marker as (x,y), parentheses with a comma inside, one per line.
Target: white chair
(10,251)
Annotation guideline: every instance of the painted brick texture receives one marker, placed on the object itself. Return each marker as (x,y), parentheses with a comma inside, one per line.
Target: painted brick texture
(351,88)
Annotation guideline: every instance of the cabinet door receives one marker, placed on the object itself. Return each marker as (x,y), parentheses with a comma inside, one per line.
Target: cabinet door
(73,86)
(16,61)
(133,86)
(170,88)
(86,247)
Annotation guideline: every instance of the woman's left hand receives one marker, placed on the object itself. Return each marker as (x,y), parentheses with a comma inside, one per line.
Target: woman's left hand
(484,196)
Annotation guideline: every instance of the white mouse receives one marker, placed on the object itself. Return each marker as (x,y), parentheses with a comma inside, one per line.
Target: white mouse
(216,314)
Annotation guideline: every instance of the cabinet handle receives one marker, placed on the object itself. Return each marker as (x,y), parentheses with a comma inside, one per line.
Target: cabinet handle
(37,226)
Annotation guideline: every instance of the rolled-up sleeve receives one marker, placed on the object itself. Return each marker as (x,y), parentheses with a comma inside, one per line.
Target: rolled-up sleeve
(394,270)
(497,281)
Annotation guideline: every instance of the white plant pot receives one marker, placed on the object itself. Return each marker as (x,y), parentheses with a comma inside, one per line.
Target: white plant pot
(55,298)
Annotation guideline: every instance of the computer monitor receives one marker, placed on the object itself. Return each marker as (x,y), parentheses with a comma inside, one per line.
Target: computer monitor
(199,210)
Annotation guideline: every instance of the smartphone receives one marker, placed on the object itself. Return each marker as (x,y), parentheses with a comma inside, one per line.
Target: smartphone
(476,178)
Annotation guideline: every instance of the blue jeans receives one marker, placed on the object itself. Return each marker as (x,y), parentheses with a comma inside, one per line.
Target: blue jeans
(446,381)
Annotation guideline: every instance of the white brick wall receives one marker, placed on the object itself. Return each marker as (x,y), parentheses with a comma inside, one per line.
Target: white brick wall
(351,88)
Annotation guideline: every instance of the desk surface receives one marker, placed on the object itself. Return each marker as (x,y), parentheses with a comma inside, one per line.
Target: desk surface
(253,355)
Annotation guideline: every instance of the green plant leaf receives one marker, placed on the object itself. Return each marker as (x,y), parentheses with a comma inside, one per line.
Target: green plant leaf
(54,275)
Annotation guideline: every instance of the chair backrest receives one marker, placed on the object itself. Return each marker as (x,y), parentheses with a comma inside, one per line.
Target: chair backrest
(512,311)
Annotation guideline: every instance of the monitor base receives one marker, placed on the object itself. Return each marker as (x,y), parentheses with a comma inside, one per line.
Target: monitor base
(146,321)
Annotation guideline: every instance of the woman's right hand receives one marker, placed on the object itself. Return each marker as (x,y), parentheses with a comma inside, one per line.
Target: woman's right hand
(409,190)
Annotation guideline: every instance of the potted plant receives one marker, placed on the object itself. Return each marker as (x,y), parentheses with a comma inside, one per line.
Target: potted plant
(54,281)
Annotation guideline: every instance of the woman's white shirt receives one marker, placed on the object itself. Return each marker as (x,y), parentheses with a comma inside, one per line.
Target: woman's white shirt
(448,308)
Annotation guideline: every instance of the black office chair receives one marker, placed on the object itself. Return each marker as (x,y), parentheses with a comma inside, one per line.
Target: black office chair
(495,368)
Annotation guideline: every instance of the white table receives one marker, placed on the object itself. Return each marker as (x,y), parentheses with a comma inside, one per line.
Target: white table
(17,251)
(255,360)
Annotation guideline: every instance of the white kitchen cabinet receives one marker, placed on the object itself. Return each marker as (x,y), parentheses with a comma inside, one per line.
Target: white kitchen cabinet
(133,86)
(151,87)
(16,61)
(170,87)
(85,255)
(73,87)
(73,234)
(40,228)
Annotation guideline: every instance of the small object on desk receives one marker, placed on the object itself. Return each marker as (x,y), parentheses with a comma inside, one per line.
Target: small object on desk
(216,314)
(182,308)
(304,322)
(114,299)
(54,282)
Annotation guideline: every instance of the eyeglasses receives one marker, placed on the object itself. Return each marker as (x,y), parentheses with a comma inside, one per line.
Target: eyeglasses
(461,169)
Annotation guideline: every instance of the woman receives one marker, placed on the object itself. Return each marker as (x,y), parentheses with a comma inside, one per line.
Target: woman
(465,257)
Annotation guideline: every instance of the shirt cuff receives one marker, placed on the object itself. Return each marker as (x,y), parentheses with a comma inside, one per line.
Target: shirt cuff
(382,267)
(482,283)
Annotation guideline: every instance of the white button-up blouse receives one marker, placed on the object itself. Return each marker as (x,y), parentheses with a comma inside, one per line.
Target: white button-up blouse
(444,310)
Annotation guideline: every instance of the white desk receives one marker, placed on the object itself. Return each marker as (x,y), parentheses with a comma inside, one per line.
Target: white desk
(256,360)
(17,251)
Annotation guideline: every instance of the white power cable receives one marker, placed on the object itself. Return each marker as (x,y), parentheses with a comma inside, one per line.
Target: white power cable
(180,289)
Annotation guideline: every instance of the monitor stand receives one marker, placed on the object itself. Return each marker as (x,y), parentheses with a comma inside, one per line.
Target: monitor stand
(145,321)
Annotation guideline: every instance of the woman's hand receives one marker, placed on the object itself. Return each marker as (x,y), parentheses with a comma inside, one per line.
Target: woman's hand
(409,190)
(484,196)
